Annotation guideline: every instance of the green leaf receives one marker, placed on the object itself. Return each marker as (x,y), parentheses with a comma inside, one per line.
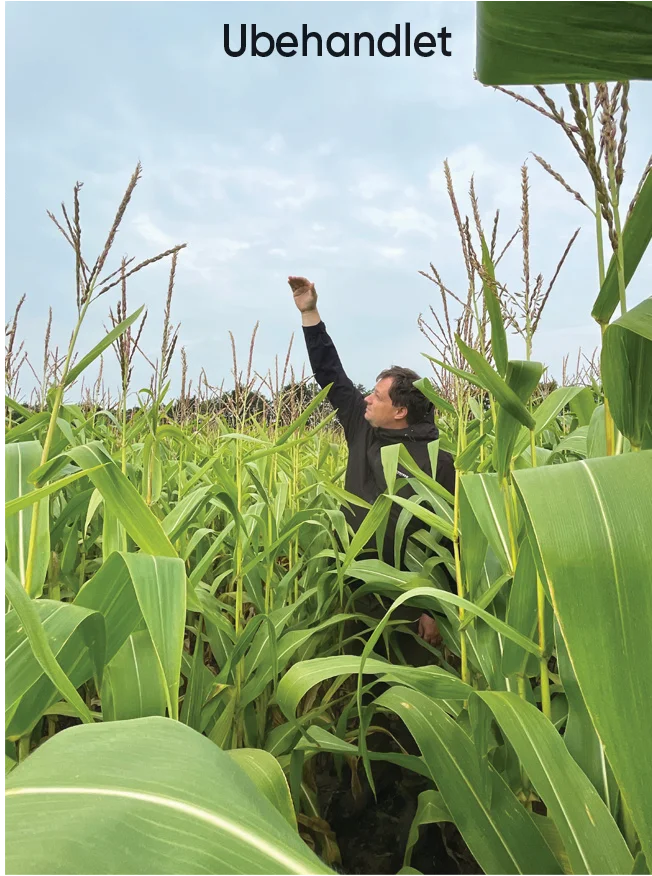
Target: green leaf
(500,834)
(626,368)
(133,686)
(265,772)
(431,809)
(304,417)
(522,378)
(154,797)
(426,387)
(20,459)
(595,553)
(590,835)
(636,236)
(128,588)
(98,349)
(546,43)
(488,505)
(547,412)
(123,499)
(498,334)
(583,405)
(16,505)
(503,393)
(426,516)
(38,641)
(521,611)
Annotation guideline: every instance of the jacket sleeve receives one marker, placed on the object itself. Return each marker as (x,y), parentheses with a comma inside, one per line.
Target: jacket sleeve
(327,368)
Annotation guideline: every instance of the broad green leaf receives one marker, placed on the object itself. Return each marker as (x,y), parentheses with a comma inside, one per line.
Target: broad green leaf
(16,505)
(431,809)
(23,431)
(521,612)
(103,345)
(547,412)
(184,512)
(265,772)
(473,546)
(133,686)
(298,680)
(580,737)
(522,378)
(583,405)
(30,621)
(595,553)
(590,835)
(498,334)
(139,790)
(500,834)
(527,44)
(425,515)
(488,505)
(20,459)
(626,368)
(473,378)
(123,499)
(426,387)
(129,588)
(503,393)
(636,236)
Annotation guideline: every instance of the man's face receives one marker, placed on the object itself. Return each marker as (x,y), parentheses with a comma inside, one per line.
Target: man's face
(380,409)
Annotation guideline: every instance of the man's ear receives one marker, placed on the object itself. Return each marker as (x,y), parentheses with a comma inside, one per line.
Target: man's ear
(401,414)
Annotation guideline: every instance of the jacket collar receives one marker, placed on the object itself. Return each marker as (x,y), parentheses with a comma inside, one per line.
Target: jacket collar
(416,432)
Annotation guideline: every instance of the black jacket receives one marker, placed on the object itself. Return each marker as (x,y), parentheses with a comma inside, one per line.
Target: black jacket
(364,473)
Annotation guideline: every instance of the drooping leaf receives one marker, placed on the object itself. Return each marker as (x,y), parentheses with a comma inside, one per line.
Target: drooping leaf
(499,832)
(595,554)
(123,499)
(626,368)
(590,835)
(138,791)
(34,633)
(636,236)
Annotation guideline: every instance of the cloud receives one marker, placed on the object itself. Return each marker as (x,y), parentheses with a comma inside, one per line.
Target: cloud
(370,185)
(275,144)
(402,221)
(393,253)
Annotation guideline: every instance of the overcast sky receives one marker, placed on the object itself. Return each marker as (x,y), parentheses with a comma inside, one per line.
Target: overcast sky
(326,167)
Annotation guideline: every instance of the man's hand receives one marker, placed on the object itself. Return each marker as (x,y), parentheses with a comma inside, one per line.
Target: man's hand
(429,631)
(305,296)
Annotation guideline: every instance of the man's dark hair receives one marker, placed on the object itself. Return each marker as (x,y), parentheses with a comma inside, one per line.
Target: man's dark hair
(403,394)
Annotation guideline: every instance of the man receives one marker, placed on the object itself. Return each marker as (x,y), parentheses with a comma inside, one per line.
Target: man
(394,412)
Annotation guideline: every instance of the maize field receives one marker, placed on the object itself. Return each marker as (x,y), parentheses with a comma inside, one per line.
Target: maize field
(188,666)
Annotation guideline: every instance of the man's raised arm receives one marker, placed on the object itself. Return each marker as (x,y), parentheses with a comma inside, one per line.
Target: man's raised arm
(324,361)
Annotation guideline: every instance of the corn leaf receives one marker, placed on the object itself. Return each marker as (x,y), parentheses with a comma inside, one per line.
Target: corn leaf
(103,345)
(590,835)
(123,499)
(595,553)
(498,334)
(20,459)
(153,783)
(499,833)
(502,392)
(626,367)
(28,614)
(133,686)
(636,236)
(545,43)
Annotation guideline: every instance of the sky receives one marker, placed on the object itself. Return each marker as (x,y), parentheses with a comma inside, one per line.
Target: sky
(330,168)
